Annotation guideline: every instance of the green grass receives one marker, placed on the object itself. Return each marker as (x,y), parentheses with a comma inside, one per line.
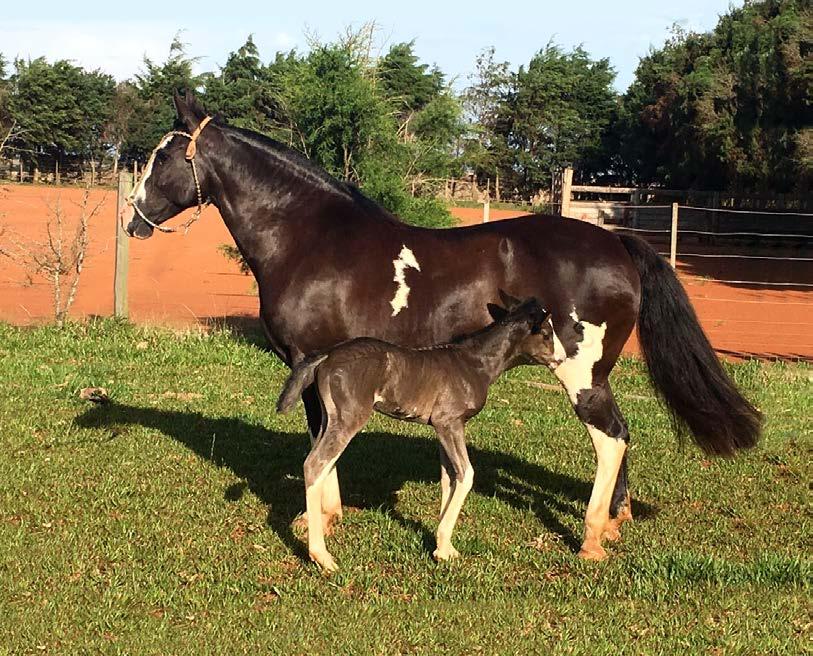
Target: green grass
(161,523)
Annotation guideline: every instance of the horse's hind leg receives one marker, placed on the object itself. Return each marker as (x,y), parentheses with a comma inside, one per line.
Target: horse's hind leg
(331,498)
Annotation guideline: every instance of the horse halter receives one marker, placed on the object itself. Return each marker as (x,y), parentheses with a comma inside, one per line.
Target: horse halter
(191,151)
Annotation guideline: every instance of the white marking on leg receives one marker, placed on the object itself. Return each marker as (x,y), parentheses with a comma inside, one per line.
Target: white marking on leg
(377,398)
(576,372)
(331,495)
(313,503)
(140,193)
(406,259)
(609,452)
(445,550)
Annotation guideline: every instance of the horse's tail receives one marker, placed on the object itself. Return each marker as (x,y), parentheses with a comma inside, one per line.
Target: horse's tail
(301,376)
(682,364)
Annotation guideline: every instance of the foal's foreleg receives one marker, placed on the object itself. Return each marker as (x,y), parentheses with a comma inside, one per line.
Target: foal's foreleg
(452,439)
(331,512)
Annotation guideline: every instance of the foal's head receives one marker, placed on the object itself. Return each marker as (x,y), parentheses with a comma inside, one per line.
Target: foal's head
(528,329)
(167,185)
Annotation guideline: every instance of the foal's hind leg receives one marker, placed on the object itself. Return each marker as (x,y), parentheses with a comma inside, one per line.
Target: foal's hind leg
(331,498)
(446,474)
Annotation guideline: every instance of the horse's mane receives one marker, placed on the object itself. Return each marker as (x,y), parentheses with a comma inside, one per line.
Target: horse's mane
(304,170)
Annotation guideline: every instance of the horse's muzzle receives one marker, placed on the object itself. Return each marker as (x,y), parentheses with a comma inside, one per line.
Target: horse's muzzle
(139,229)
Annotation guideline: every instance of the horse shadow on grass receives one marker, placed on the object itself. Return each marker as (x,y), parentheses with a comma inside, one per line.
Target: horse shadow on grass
(371,472)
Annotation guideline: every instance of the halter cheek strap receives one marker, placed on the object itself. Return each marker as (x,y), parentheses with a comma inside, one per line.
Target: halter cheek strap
(191,151)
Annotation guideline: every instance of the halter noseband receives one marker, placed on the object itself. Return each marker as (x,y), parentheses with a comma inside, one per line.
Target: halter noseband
(191,151)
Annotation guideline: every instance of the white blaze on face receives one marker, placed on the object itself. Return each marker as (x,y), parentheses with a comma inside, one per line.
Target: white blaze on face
(140,192)
(406,259)
(576,372)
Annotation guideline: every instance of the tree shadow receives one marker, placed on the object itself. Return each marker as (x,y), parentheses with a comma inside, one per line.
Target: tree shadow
(372,471)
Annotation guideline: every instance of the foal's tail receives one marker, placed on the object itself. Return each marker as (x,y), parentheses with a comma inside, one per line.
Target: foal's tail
(682,364)
(301,376)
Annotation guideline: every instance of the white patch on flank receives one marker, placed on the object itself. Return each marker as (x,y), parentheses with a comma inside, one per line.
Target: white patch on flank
(576,372)
(140,193)
(406,259)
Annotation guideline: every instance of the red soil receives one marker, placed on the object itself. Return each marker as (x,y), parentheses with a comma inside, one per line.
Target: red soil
(182,280)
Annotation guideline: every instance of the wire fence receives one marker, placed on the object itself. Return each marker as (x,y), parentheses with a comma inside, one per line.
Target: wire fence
(711,235)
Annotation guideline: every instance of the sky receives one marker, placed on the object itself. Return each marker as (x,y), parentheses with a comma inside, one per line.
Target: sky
(115,37)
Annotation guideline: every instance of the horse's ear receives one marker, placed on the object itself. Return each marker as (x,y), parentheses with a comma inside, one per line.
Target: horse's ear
(510,302)
(497,313)
(190,112)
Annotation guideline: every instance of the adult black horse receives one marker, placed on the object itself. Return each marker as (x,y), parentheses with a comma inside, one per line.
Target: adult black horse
(331,265)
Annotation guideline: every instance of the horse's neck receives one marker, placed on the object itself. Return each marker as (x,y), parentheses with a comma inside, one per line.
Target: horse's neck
(264,204)
(490,350)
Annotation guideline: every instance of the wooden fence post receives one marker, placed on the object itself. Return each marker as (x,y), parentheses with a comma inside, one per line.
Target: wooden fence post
(486,210)
(120,307)
(673,245)
(567,183)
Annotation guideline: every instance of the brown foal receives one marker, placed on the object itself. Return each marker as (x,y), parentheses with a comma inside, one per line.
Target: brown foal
(443,386)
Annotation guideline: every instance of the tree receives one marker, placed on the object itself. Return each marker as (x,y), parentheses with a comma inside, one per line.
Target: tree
(428,113)
(409,85)
(728,109)
(241,92)
(490,85)
(155,113)
(60,108)
(550,114)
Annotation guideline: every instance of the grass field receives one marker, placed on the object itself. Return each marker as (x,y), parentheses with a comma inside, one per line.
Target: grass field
(161,522)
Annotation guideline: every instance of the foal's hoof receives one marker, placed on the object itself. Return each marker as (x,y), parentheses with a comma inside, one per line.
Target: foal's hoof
(325,561)
(611,532)
(449,553)
(592,552)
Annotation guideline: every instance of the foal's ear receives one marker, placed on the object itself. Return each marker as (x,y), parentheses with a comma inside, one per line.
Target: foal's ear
(510,302)
(497,313)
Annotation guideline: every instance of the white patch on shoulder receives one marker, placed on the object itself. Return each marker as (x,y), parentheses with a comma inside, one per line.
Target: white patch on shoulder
(576,372)
(559,354)
(140,193)
(406,259)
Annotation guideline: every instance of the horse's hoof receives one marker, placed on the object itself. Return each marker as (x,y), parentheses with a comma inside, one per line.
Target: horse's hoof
(611,532)
(324,561)
(441,555)
(592,552)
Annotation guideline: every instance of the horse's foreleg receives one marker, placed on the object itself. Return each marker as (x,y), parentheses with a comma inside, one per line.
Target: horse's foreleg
(331,507)
(608,432)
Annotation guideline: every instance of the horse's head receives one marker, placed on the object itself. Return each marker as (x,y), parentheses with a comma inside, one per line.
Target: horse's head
(171,180)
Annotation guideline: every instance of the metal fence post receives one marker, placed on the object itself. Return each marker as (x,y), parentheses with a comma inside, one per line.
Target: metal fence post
(120,306)
(673,245)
